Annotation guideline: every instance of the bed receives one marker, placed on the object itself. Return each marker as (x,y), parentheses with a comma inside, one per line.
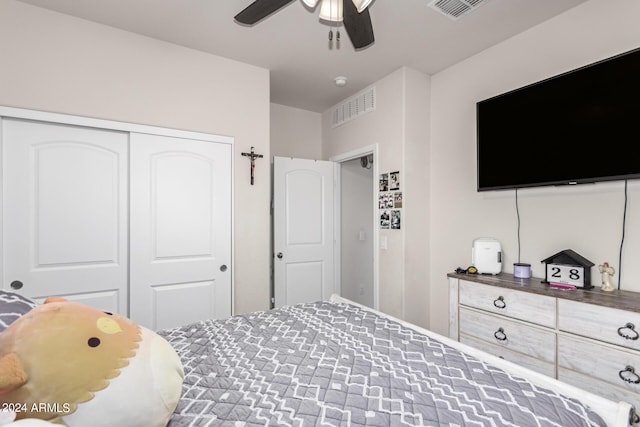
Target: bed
(337,363)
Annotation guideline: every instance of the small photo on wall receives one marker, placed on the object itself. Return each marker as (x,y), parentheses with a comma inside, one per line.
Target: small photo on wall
(397,199)
(388,201)
(385,201)
(394,181)
(384,182)
(385,219)
(395,220)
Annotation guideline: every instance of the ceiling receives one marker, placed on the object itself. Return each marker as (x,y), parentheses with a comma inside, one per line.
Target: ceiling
(294,45)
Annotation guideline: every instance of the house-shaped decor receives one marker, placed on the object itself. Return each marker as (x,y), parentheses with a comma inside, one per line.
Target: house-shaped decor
(568,268)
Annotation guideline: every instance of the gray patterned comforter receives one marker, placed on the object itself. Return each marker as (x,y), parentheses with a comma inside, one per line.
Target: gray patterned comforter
(326,364)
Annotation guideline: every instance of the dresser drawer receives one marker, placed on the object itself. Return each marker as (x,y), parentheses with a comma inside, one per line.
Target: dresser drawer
(532,308)
(602,323)
(546,368)
(604,362)
(597,387)
(509,334)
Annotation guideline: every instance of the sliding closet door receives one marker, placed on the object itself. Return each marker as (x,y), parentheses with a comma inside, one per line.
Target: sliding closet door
(65,212)
(180,233)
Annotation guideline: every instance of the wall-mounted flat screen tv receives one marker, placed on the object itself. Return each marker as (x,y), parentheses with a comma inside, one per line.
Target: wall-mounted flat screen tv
(578,127)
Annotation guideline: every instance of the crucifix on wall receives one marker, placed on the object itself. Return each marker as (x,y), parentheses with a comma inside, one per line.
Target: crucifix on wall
(252,156)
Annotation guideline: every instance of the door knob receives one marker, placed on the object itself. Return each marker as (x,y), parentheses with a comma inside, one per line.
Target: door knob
(16,284)
(279,255)
(223,268)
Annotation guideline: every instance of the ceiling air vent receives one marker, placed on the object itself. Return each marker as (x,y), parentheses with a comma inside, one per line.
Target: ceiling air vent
(359,104)
(454,9)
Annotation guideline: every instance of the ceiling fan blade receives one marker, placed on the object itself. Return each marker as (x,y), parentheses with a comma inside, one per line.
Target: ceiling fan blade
(259,9)
(358,25)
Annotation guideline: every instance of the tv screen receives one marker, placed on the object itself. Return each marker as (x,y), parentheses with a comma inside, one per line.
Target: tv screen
(579,127)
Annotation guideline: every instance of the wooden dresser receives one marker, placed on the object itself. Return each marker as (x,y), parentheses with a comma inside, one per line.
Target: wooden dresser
(588,338)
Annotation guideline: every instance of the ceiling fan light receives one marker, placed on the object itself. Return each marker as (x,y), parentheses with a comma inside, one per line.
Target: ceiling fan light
(310,3)
(331,10)
(361,4)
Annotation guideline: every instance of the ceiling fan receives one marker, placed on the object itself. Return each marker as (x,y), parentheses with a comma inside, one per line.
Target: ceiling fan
(354,14)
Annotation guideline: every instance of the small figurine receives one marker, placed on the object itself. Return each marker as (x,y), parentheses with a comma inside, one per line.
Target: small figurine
(607,272)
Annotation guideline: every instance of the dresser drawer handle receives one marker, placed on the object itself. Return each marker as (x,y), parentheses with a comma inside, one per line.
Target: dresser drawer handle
(499,303)
(632,328)
(628,374)
(633,416)
(500,335)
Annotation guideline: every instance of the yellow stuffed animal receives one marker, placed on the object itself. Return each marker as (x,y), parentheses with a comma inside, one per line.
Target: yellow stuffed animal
(76,365)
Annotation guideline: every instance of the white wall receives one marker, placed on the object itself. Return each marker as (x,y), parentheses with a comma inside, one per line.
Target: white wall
(384,127)
(295,133)
(58,63)
(398,135)
(586,219)
(416,204)
(356,255)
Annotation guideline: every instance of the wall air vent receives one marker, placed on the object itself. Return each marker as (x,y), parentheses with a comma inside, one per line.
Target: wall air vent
(359,104)
(454,9)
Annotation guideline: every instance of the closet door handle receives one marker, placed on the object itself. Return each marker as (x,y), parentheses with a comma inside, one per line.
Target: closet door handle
(16,284)
(280,255)
(223,268)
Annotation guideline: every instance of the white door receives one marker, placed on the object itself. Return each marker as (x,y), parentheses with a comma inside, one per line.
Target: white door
(180,230)
(65,212)
(303,212)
